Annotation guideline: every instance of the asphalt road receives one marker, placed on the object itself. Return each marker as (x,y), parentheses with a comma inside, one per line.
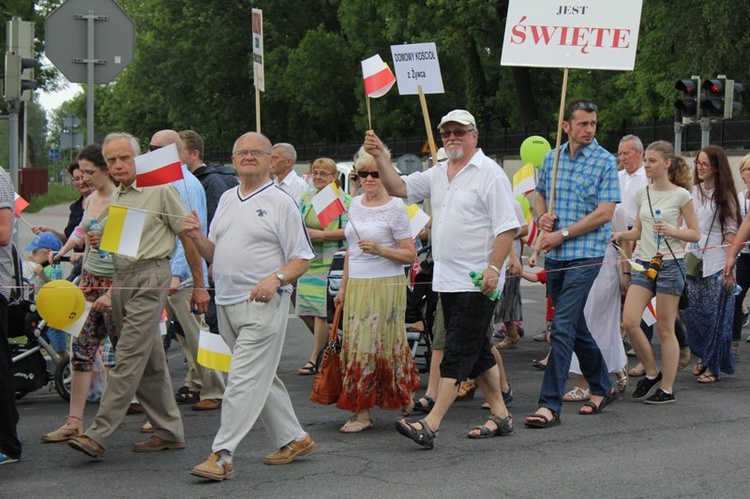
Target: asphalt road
(697,447)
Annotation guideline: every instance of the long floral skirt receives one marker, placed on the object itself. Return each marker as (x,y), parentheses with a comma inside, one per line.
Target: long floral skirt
(709,322)
(375,356)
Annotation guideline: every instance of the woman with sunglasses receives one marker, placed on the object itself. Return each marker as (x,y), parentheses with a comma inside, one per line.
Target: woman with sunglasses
(375,356)
(709,317)
(311,287)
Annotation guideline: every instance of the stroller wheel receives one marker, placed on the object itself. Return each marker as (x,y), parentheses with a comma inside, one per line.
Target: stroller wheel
(62,380)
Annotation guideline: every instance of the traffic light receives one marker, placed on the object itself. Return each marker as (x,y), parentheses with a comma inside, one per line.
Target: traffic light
(720,93)
(689,102)
(19,60)
(19,77)
(714,103)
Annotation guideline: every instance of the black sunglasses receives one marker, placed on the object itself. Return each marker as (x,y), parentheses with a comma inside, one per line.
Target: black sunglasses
(370,174)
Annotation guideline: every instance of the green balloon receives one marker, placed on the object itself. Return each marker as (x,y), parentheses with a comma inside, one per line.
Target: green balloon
(533,150)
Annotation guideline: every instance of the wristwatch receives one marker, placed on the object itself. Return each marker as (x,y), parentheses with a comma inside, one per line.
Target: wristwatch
(281,277)
(565,233)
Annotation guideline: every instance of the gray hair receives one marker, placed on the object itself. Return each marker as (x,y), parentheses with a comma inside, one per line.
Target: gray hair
(289,150)
(635,140)
(122,135)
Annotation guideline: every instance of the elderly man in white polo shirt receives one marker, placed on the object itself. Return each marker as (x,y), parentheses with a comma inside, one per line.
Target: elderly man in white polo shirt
(473,226)
(258,245)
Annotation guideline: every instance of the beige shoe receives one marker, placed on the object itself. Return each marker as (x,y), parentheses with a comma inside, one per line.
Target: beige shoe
(155,444)
(290,451)
(210,469)
(146,427)
(63,434)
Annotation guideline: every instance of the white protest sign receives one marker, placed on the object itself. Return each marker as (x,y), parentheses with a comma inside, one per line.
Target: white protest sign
(553,34)
(417,64)
(259,78)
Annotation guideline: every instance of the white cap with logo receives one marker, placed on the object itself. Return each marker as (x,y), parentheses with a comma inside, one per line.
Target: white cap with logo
(461,116)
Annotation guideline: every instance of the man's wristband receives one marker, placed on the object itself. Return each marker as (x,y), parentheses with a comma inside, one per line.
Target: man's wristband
(494,268)
(539,217)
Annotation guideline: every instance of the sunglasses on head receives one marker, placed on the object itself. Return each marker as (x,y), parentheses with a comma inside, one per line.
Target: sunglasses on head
(153,147)
(368,174)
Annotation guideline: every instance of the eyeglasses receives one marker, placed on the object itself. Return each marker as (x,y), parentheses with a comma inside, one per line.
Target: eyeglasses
(368,174)
(458,133)
(319,173)
(153,147)
(255,153)
(704,164)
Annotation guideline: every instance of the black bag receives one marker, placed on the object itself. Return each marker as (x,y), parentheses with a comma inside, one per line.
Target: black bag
(684,300)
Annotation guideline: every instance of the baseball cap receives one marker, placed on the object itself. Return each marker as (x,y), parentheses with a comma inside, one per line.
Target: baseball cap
(45,240)
(459,116)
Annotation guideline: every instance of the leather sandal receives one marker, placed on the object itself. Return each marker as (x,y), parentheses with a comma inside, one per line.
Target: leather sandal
(504,427)
(425,407)
(424,436)
(63,434)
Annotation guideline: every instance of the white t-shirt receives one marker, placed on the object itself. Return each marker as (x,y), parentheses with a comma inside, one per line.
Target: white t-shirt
(255,236)
(468,213)
(670,203)
(385,224)
(714,258)
(744,204)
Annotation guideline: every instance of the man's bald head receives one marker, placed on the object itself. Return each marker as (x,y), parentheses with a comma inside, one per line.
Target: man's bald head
(165,137)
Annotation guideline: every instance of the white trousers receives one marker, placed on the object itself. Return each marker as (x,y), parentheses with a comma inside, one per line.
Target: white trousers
(255,332)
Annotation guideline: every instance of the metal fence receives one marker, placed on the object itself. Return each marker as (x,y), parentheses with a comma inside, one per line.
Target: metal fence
(731,135)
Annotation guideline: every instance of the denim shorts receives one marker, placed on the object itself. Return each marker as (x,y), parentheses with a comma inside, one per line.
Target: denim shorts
(669,281)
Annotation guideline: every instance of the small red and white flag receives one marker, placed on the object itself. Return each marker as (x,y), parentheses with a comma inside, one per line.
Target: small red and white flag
(20,204)
(649,313)
(158,167)
(533,233)
(328,204)
(378,76)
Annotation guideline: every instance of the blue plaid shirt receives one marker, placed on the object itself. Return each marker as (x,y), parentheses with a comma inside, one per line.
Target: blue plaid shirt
(583,183)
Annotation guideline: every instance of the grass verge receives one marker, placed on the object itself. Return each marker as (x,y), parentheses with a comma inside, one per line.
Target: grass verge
(56,194)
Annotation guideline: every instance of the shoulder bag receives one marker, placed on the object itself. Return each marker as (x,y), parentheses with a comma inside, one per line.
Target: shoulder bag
(329,378)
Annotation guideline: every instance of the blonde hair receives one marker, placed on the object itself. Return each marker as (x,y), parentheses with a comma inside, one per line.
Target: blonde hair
(745,163)
(679,172)
(327,164)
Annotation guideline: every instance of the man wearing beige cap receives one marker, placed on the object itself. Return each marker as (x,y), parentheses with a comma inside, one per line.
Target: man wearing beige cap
(473,226)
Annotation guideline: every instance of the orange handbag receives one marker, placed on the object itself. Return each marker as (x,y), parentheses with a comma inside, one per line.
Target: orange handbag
(328,380)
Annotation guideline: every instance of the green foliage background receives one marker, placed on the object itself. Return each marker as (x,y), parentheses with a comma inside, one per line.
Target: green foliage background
(193,66)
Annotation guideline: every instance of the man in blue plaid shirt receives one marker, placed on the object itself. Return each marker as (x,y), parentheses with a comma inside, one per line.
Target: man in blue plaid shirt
(575,237)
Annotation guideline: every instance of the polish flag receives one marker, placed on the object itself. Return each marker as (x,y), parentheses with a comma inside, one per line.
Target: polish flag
(158,167)
(20,204)
(649,314)
(378,76)
(328,204)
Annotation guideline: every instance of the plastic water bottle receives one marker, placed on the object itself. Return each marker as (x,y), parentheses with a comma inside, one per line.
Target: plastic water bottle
(737,290)
(97,229)
(476,278)
(657,219)
(56,272)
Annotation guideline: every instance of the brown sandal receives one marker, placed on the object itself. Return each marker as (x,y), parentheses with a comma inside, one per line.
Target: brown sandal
(62,434)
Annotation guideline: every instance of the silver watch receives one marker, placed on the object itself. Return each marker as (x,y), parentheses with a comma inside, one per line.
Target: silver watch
(281,277)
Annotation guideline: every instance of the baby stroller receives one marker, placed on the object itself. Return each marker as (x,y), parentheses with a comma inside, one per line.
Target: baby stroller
(420,305)
(32,370)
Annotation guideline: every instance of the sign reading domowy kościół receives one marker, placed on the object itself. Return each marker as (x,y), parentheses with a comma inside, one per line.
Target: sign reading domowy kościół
(596,35)
(417,64)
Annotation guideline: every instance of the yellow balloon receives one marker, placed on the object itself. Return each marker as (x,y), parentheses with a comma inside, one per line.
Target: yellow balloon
(60,303)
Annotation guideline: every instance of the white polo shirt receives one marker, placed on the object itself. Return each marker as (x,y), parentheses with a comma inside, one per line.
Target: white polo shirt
(293,185)
(255,236)
(468,213)
(629,184)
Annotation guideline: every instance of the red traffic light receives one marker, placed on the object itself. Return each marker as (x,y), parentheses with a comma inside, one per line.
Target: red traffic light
(689,87)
